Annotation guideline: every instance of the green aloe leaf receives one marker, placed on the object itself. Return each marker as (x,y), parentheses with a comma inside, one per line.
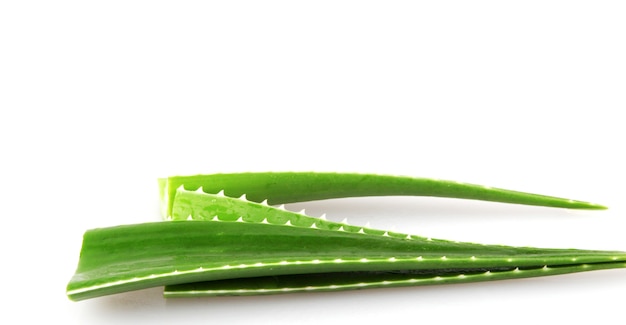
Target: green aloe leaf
(220,245)
(288,187)
(131,257)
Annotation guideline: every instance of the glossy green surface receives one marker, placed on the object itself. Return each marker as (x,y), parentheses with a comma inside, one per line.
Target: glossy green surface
(222,245)
(366,280)
(287,187)
(139,256)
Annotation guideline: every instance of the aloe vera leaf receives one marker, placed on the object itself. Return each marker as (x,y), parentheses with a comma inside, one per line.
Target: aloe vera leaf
(198,205)
(288,187)
(339,281)
(131,257)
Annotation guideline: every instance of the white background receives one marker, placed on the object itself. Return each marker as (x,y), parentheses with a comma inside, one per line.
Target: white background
(98,99)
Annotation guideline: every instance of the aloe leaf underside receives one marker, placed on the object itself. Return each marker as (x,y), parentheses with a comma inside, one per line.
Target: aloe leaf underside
(220,244)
